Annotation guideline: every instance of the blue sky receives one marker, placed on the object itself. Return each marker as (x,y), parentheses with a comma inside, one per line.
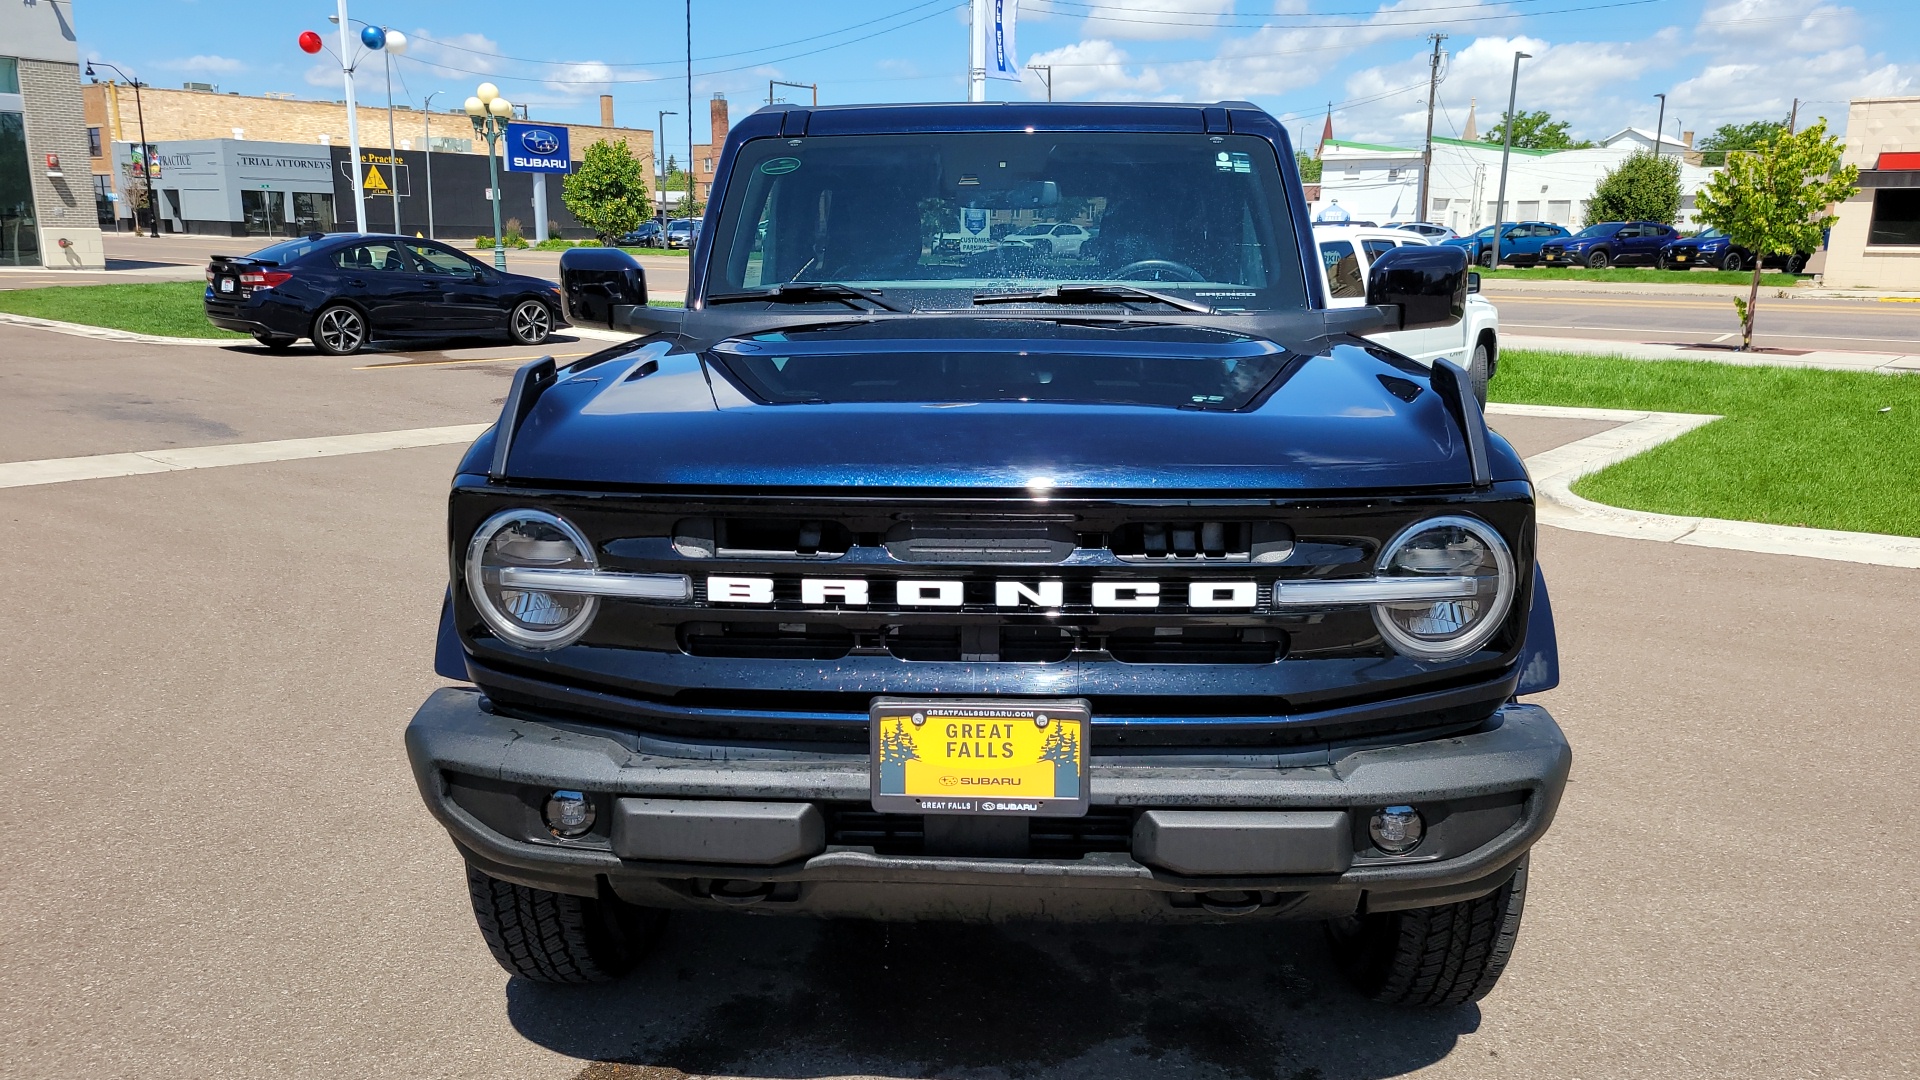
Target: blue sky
(1597,63)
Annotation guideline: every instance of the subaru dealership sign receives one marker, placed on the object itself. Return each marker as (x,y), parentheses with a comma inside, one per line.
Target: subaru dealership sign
(537,148)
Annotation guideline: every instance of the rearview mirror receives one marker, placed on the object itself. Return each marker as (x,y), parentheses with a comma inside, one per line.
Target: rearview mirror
(1428,285)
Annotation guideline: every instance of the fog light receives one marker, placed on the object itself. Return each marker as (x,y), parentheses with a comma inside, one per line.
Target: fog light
(570,814)
(1397,829)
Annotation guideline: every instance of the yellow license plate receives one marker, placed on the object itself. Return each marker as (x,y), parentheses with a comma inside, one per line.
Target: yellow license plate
(980,757)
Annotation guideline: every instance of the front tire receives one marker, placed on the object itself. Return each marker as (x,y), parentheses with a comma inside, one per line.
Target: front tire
(1796,263)
(1599,260)
(340,330)
(1732,261)
(1480,369)
(550,937)
(530,323)
(1436,957)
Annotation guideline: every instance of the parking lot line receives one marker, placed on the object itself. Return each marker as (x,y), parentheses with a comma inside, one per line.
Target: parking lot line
(101,466)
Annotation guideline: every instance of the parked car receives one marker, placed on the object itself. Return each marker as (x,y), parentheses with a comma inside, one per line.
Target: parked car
(1425,228)
(1520,242)
(1602,244)
(865,585)
(1717,251)
(1347,255)
(1048,238)
(346,290)
(649,234)
(683,232)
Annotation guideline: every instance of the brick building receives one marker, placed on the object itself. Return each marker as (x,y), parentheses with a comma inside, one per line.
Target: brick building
(47,210)
(203,114)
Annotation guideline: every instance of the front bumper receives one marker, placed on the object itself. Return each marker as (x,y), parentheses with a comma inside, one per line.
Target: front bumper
(694,826)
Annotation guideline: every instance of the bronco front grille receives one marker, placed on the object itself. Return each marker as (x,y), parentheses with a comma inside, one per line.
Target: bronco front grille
(1102,829)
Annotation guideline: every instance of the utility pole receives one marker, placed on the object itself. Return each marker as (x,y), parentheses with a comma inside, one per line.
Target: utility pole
(688,205)
(1046,72)
(1793,118)
(1426,155)
(815,87)
(1506,151)
(977,51)
(1659,125)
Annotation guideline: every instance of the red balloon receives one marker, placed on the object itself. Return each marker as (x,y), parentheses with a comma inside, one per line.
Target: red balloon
(309,41)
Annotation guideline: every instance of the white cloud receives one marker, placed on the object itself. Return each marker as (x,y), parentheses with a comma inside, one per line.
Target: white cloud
(1276,59)
(1735,92)
(1094,69)
(581,78)
(205,64)
(1791,25)
(464,52)
(1156,20)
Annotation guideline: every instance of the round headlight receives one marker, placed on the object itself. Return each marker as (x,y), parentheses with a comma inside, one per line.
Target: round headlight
(531,539)
(1465,552)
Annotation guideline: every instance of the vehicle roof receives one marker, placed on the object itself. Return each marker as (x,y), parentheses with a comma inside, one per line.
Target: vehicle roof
(1012,116)
(1369,232)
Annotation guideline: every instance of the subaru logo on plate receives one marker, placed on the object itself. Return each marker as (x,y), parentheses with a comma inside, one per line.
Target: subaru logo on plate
(539,142)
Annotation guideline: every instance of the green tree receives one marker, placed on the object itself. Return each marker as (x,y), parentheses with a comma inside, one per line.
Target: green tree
(1641,188)
(1535,131)
(608,192)
(1777,200)
(1309,167)
(1713,149)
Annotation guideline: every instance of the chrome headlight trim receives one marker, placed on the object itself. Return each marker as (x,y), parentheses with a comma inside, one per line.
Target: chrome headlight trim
(1488,622)
(498,621)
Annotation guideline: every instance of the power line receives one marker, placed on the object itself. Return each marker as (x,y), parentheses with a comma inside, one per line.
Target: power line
(1371,24)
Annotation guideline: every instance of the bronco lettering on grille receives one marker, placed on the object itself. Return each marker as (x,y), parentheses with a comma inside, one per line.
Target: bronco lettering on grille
(922,592)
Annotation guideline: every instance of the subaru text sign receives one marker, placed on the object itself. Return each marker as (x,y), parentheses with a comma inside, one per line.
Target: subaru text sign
(537,148)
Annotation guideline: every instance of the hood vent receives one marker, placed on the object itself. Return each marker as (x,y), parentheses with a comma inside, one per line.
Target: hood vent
(1002,542)
(1202,542)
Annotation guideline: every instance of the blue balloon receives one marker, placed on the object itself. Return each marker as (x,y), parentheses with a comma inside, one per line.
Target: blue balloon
(373,37)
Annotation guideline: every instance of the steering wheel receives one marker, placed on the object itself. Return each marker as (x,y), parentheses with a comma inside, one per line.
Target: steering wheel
(1154,269)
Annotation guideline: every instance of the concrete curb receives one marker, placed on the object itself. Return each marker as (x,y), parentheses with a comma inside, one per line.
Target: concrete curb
(104,333)
(1555,471)
(1829,359)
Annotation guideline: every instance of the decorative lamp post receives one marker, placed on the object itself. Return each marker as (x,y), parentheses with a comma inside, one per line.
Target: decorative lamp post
(490,113)
(146,153)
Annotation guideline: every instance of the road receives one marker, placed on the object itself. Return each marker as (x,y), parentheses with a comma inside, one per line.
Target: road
(216,864)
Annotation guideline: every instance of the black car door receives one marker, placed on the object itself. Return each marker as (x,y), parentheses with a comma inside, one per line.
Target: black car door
(465,292)
(381,277)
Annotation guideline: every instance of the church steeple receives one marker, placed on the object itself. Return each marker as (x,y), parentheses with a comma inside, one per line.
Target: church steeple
(1326,132)
(1472,131)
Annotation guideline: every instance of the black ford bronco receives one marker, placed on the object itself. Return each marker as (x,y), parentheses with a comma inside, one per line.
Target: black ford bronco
(939,561)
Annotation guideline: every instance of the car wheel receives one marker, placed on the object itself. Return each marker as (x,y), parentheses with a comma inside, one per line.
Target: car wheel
(1598,260)
(340,330)
(1480,369)
(551,937)
(274,342)
(1796,263)
(1437,956)
(1486,258)
(1731,261)
(531,323)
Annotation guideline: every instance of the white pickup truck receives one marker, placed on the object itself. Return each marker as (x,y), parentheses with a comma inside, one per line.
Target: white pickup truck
(1347,253)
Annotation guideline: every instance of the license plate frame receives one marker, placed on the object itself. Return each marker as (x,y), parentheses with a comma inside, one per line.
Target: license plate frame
(228,286)
(898,789)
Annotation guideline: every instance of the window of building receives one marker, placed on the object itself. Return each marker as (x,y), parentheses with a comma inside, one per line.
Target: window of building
(1353,172)
(93,142)
(1395,174)
(1560,211)
(19,232)
(312,212)
(1529,210)
(1439,206)
(1896,217)
(9,75)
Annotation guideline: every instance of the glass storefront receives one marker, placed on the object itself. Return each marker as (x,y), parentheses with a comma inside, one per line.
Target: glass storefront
(19,229)
(312,212)
(265,212)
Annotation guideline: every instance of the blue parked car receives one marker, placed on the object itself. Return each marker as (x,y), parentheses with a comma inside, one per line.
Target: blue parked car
(1519,244)
(1608,242)
(1716,250)
(1131,585)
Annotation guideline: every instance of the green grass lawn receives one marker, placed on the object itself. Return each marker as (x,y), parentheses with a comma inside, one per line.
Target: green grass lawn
(1643,274)
(163,308)
(1826,449)
(668,253)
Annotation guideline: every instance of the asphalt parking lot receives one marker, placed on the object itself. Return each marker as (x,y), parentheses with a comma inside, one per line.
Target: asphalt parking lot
(216,864)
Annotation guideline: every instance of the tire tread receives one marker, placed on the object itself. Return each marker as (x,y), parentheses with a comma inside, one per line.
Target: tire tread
(551,937)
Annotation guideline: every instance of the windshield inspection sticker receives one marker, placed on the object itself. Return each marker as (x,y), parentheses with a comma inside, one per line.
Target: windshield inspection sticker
(1232,162)
(779,166)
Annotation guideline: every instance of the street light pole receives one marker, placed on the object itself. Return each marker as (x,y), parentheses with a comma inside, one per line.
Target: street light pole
(426,146)
(490,113)
(660,151)
(1506,151)
(1659,124)
(146,160)
(393,144)
(353,125)
(1046,72)
(815,87)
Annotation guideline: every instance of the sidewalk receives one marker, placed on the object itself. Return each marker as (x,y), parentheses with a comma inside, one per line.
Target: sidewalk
(1831,359)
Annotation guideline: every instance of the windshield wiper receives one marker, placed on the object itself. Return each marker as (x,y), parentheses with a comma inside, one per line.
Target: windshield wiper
(808,292)
(1094,294)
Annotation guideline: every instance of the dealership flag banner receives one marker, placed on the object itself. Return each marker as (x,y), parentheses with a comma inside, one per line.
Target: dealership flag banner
(993,34)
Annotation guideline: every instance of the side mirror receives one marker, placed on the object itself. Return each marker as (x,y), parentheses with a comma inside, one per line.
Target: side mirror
(1427,285)
(480,277)
(596,281)
(1473,282)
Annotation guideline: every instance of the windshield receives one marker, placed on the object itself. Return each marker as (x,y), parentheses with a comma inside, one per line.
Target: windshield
(1710,234)
(1606,229)
(934,219)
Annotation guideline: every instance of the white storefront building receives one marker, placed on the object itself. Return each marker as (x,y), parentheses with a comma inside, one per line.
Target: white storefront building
(1369,182)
